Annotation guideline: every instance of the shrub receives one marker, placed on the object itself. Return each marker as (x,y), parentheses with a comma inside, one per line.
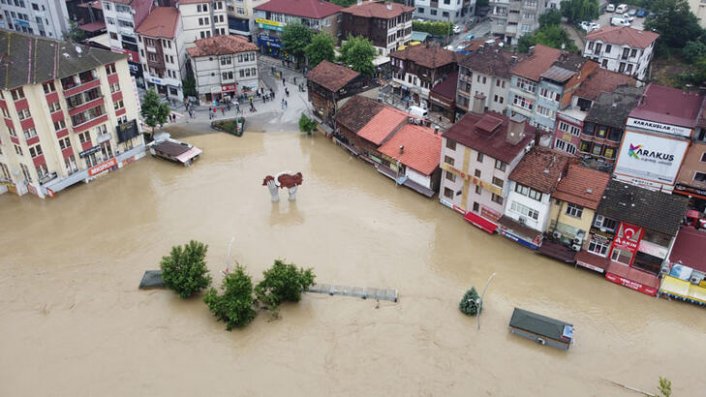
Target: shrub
(235,305)
(184,270)
(306,124)
(283,282)
(470,303)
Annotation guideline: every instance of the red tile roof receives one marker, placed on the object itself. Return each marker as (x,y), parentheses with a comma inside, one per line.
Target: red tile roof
(582,186)
(447,88)
(161,22)
(380,10)
(491,60)
(541,59)
(331,76)
(690,248)
(92,26)
(314,9)
(430,56)
(382,125)
(220,45)
(493,144)
(541,169)
(603,80)
(357,112)
(623,35)
(668,105)
(422,148)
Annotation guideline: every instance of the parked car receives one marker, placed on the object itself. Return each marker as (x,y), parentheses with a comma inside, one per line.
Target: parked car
(632,12)
(585,25)
(610,7)
(594,26)
(619,21)
(628,17)
(641,13)
(469,37)
(621,9)
(457,29)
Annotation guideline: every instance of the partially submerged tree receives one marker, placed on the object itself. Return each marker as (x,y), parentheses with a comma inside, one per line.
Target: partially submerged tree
(235,305)
(154,112)
(358,53)
(184,270)
(321,48)
(665,387)
(283,282)
(470,303)
(306,124)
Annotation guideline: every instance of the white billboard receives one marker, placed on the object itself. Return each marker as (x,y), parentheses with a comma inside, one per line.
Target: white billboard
(652,158)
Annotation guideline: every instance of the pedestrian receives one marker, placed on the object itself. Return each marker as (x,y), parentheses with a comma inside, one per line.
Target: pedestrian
(209,110)
(283,80)
(283,102)
(272,92)
(295,79)
(191,113)
(237,107)
(286,91)
(223,110)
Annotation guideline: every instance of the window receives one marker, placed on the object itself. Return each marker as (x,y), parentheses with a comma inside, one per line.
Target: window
(23,114)
(524,210)
(114,87)
(110,20)
(29,133)
(18,93)
(226,61)
(609,152)
(49,87)
(633,52)
(479,157)
(546,112)
(118,104)
(451,145)
(528,191)
(479,189)
(227,75)
(450,177)
(585,146)
(59,125)
(523,102)
(5,112)
(64,143)
(54,106)
(125,24)
(18,150)
(621,256)
(703,157)
(602,223)
(497,199)
(604,63)
(84,137)
(608,47)
(500,165)
(477,174)
(449,160)
(448,193)
(526,85)
(598,247)
(26,173)
(35,151)
(113,35)
(574,210)
(498,182)
(699,177)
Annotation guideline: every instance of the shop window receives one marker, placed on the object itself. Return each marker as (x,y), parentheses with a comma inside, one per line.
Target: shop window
(621,256)
(598,248)
(699,177)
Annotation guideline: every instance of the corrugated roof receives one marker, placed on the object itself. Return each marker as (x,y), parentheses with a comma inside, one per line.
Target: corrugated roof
(603,80)
(220,45)
(331,76)
(623,35)
(669,105)
(26,59)
(161,22)
(582,186)
(612,108)
(382,125)
(538,324)
(541,59)
(541,169)
(422,148)
(558,74)
(380,10)
(357,112)
(690,248)
(315,9)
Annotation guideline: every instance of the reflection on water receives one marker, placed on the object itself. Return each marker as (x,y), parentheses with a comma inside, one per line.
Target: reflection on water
(72,317)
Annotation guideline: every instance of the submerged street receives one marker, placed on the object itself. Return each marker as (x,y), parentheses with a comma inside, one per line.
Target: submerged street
(74,323)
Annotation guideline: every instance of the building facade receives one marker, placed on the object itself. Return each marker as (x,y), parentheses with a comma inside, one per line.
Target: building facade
(327,84)
(444,10)
(487,72)
(48,18)
(416,69)
(622,49)
(201,19)
(511,20)
(241,17)
(691,180)
(224,66)
(71,118)
(386,25)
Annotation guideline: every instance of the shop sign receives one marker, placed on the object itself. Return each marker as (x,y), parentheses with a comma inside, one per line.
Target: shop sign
(684,189)
(628,237)
(650,157)
(488,213)
(269,24)
(88,152)
(104,166)
(265,40)
(631,284)
(518,239)
(228,87)
(653,249)
(658,127)
(590,266)
(155,80)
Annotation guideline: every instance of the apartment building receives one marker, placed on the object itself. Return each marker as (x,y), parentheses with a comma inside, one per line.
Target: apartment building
(121,19)
(691,180)
(622,49)
(386,25)
(48,18)
(241,17)
(512,19)
(201,19)
(223,67)
(416,69)
(444,10)
(69,114)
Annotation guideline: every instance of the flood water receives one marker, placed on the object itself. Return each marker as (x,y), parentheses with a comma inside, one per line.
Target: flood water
(72,321)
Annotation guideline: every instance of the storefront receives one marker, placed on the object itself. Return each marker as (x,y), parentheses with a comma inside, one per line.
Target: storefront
(632,278)
(480,222)
(520,234)
(270,45)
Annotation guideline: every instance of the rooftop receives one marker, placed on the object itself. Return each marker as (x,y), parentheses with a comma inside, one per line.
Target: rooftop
(382,125)
(492,61)
(331,76)
(26,59)
(539,61)
(370,9)
(314,9)
(161,22)
(541,169)
(428,55)
(656,211)
(690,248)
(612,108)
(603,80)
(422,148)
(447,88)
(220,45)
(92,27)
(582,186)
(623,35)
(669,105)
(538,324)
(468,133)
(357,112)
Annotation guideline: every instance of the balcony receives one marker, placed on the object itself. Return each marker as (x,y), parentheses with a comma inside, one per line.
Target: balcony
(79,83)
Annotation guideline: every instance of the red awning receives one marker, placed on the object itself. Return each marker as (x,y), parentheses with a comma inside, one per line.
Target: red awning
(480,222)
(632,278)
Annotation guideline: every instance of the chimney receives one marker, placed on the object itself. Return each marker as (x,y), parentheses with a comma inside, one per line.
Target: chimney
(478,103)
(515,129)
(401,149)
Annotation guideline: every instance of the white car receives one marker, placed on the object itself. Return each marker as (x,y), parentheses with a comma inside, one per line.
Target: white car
(585,25)
(621,9)
(594,26)
(457,29)
(610,7)
(628,17)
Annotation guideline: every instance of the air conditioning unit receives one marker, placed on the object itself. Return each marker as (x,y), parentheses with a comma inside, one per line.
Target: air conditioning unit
(522,220)
(576,247)
(577,240)
(696,278)
(556,235)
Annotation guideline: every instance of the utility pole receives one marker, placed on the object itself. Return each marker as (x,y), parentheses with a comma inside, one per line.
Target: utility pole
(482,295)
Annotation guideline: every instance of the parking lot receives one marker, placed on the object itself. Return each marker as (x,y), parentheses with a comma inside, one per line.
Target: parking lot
(604,20)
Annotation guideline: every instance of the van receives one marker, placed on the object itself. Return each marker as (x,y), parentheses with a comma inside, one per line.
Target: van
(621,9)
(418,112)
(619,21)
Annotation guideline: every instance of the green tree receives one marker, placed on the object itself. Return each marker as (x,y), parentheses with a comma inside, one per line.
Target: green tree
(665,387)
(74,33)
(235,305)
(320,48)
(674,22)
(358,53)
(470,304)
(693,51)
(343,3)
(579,10)
(438,29)
(189,86)
(184,270)
(306,124)
(154,112)
(551,17)
(283,282)
(295,38)
(551,35)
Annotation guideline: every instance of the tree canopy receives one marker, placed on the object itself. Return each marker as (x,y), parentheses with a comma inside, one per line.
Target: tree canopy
(307,125)
(551,17)
(153,111)
(184,270)
(321,48)
(674,21)
(435,28)
(283,282)
(295,38)
(358,53)
(343,3)
(235,305)
(550,35)
(579,10)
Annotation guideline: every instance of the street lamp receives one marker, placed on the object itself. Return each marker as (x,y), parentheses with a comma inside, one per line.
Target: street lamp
(479,301)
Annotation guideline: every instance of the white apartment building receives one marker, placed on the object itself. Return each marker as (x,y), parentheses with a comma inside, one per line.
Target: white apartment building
(241,16)
(69,115)
(622,49)
(444,10)
(163,52)
(41,17)
(514,19)
(487,72)
(224,66)
(202,19)
(122,17)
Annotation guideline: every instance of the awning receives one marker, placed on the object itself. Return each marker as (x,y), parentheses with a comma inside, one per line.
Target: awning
(683,290)
(480,222)
(632,278)
(93,26)
(591,261)
(189,154)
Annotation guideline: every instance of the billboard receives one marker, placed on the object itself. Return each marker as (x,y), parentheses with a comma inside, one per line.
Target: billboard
(651,158)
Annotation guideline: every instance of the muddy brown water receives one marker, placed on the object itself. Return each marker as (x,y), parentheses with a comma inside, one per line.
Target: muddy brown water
(72,321)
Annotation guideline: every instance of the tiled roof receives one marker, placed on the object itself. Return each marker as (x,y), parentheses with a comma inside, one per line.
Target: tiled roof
(656,211)
(493,144)
(491,61)
(690,248)
(669,105)
(357,112)
(161,22)
(220,45)
(430,56)
(422,148)
(382,125)
(447,88)
(314,9)
(541,59)
(612,108)
(26,59)
(92,26)
(541,169)
(380,10)
(603,80)
(623,35)
(582,186)
(331,76)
